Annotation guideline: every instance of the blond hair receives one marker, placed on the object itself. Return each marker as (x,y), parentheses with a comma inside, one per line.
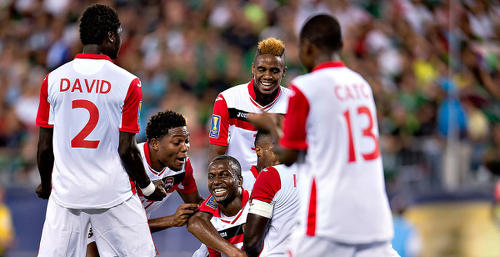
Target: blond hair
(271,46)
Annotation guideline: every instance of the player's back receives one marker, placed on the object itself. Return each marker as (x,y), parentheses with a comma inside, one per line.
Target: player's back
(342,176)
(88,108)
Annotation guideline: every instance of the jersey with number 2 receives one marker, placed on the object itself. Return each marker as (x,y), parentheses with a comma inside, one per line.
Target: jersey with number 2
(87,102)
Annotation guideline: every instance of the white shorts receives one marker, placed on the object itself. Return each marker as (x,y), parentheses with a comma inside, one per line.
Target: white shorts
(306,246)
(121,230)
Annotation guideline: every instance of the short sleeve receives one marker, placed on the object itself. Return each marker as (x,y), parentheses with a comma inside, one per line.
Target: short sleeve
(294,127)
(42,117)
(266,186)
(131,108)
(209,205)
(219,125)
(188,184)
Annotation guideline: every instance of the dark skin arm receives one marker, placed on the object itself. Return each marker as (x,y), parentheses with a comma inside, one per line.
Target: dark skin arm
(132,162)
(199,225)
(215,150)
(181,216)
(256,228)
(45,161)
(267,122)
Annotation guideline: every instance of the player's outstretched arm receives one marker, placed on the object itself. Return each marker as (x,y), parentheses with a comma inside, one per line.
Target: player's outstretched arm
(132,162)
(181,216)
(194,197)
(267,122)
(253,241)
(199,225)
(45,160)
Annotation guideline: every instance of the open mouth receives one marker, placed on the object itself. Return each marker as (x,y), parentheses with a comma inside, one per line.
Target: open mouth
(219,192)
(180,160)
(267,85)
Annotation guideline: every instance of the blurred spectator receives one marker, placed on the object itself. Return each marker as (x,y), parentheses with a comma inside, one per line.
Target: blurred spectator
(6,226)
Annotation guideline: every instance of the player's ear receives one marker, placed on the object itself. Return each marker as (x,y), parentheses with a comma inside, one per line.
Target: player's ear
(259,151)
(155,144)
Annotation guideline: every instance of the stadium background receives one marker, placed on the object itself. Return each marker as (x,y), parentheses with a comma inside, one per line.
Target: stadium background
(428,63)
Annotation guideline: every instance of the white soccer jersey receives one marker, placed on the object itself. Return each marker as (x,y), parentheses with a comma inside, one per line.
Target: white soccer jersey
(277,185)
(332,114)
(181,181)
(229,228)
(88,101)
(249,177)
(229,126)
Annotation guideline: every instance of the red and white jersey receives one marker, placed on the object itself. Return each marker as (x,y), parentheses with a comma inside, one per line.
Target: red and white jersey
(181,181)
(332,115)
(229,126)
(277,185)
(229,228)
(87,102)
(249,177)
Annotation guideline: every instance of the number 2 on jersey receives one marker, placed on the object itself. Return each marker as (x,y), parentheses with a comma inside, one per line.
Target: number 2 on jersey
(79,141)
(367,132)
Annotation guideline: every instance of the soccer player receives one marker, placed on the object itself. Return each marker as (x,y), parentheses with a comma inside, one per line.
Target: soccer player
(224,212)
(87,157)
(165,156)
(273,205)
(331,118)
(264,148)
(230,132)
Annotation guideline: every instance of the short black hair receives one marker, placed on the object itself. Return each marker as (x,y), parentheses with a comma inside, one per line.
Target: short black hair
(96,21)
(324,31)
(160,123)
(261,135)
(233,163)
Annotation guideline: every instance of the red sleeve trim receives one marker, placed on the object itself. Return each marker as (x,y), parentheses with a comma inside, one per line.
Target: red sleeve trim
(188,183)
(42,117)
(131,107)
(210,206)
(266,186)
(294,127)
(219,125)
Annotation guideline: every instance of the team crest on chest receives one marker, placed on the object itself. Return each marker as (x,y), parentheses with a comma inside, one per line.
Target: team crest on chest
(169,183)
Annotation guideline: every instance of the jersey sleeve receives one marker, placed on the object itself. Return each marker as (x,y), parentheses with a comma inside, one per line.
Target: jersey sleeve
(209,205)
(266,186)
(219,125)
(42,117)
(294,127)
(131,108)
(188,184)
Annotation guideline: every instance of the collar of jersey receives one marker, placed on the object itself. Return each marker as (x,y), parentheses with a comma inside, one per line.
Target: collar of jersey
(335,64)
(244,201)
(253,96)
(254,171)
(148,159)
(93,56)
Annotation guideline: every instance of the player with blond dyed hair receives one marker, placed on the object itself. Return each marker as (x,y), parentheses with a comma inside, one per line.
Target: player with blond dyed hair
(230,133)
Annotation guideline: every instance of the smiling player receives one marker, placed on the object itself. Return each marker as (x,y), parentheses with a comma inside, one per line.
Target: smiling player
(230,132)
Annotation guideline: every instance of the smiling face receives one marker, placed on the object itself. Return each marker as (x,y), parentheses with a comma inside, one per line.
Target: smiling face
(171,149)
(223,181)
(268,70)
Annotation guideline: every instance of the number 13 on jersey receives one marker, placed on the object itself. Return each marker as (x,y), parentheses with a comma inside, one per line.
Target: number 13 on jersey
(367,132)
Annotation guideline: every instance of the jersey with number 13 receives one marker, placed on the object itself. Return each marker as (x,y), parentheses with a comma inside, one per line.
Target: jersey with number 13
(87,102)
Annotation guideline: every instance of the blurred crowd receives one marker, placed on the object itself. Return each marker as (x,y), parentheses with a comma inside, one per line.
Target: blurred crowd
(431,64)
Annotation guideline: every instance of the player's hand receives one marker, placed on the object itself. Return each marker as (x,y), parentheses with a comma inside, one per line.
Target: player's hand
(43,192)
(184,211)
(263,121)
(159,192)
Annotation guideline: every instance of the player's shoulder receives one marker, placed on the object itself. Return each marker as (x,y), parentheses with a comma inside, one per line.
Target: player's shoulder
(235,91)
(60,71)
(121,72)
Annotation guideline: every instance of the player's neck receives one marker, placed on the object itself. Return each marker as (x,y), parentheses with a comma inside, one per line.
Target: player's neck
(233,207)
(264,100)
(334,57)
(91,49)
(155,162)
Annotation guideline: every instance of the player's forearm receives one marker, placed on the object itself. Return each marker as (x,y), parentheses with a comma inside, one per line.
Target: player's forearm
(206,233)
(161,223)
(45,156)
(215,150)
(131,159)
